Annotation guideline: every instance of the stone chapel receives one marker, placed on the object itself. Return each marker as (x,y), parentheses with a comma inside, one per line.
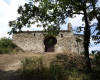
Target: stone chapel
(34,41)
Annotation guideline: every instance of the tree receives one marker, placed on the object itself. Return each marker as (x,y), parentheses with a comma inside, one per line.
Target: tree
(6,45)
(95,13)
(52,13)
(91,11)
(30,14)
(80,5)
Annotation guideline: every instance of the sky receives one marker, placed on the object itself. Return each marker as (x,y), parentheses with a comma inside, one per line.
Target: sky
(8,12)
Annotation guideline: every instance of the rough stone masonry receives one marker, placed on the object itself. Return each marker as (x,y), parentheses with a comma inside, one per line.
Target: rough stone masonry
(34,41)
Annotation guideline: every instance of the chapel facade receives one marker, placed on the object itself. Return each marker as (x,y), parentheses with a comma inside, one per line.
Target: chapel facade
(34,41)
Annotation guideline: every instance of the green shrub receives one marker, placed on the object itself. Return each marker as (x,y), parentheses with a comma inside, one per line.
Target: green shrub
(62,67)
(6,45)
(35,68)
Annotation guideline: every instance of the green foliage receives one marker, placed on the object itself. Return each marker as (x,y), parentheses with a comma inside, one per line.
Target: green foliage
(6,45)
(64,67)
(92,55)
(97,58)
(30,14)
(52,14)
(34,68)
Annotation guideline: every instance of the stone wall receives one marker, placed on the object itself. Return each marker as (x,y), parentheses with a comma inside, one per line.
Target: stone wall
(29,41)
(33,41)
(79,43)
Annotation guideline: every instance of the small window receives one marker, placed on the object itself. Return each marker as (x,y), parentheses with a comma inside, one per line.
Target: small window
(61,35)
(34,34)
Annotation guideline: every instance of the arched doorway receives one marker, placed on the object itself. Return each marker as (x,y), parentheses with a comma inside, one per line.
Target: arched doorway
(49,43)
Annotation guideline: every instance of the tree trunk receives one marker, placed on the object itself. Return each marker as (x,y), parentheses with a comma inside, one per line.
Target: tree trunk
(77,47)
(86,38)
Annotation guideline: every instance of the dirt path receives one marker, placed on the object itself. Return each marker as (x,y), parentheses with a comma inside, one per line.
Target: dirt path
(11,72)
(10,65)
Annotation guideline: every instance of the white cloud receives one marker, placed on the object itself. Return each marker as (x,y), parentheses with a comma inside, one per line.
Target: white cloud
(77,21)
(97,47)
(93,46)
(8,12)
(32,28)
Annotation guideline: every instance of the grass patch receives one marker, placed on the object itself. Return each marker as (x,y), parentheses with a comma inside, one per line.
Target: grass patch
(57,67)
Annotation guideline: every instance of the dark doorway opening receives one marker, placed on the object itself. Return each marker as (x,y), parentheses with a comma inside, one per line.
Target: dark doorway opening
(49,48)
(49,43)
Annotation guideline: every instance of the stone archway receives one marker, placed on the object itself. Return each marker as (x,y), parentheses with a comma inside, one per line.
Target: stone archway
(49,43)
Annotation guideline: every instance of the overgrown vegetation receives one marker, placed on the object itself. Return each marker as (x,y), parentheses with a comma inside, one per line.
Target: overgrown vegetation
(61,67)
(52,14)
(6,46)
